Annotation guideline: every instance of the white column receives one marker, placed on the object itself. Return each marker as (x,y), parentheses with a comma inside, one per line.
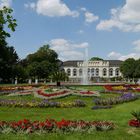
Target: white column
(114,72)
(107,72)
(78,72)
(100,72)
(16,81)
(36,81)
(30,81)
(71,72)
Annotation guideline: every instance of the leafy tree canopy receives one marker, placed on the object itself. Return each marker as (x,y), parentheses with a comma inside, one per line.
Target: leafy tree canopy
(8,55)
(137,70)
(43,54)
(42,63)
(59,76)
(6,18)
(128,68)
(95,59)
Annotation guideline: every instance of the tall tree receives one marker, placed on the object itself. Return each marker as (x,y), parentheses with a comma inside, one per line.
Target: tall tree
(8,55)
(59,76)
(137,70)
(128,68)
(42,63)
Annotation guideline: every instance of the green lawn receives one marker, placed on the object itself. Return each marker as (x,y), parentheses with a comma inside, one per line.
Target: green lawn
(119,114)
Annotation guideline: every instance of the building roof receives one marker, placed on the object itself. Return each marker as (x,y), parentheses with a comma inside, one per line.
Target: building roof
(71,63)
(114,62)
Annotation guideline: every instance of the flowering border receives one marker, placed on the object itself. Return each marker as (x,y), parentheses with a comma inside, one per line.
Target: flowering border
(64,93)
(41,104)
(53,126)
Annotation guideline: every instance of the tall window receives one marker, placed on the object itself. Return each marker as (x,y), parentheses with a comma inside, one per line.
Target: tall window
(80,72)
(104,72)
(74,72)
(117,72)
(89,71)
(97,72)
(110,72)
(68,72)
(92,71)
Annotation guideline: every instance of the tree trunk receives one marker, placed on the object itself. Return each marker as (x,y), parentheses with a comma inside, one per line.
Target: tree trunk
(58,84)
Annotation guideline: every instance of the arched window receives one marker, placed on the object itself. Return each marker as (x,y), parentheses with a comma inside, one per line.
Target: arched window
(110,72)
(117,72)
(97,72)
(88,70)
(68,72)
(74,72)
(80,72)
(92,70)
(104,72)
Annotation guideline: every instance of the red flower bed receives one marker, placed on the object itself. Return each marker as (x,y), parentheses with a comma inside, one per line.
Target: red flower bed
(122,87)
(108,87)
(55,126)
(134,123)
(53,94)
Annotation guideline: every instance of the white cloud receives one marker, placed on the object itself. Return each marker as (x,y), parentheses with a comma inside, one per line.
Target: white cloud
(53,8)
(119,56)
(135,54)
(68,50)
(137,45)
(131,55)
(114,55)
(126,18)
(6,3)
(83,9)
(31,5)
(90,17)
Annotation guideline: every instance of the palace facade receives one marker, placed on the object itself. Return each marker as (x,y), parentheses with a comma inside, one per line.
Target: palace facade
(97,70)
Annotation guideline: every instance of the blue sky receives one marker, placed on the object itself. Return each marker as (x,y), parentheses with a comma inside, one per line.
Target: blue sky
(110,29)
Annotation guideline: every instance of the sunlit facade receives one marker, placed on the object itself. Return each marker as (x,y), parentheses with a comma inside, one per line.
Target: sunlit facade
(97,70)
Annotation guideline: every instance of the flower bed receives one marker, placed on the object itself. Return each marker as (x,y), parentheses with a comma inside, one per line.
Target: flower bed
(53,126)
(63,93)
(21,93)
(122,88)
(41,104)
(5,88)
(136,88)
(42,94)
(108,87)
(117,100)
(136,121)
(15,90)
(119,88)
(115,88)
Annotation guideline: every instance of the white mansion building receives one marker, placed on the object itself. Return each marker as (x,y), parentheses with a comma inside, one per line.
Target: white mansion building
(97,70)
